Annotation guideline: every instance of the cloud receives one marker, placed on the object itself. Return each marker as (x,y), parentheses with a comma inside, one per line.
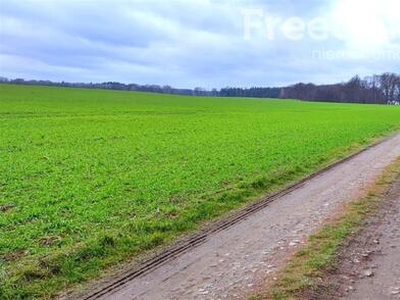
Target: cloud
(197,43)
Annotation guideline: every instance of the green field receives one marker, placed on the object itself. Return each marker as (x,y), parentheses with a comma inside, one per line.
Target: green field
(89,178)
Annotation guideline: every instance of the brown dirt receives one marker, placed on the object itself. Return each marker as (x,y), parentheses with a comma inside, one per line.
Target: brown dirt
(369,263)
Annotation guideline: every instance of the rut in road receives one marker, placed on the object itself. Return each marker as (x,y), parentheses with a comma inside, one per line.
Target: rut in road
(231,263)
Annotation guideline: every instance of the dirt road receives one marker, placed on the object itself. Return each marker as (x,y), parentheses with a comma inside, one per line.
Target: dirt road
(233,262)
(382,240)
(368,267)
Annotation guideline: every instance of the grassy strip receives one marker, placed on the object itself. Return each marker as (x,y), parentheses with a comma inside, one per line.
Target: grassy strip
(310,263)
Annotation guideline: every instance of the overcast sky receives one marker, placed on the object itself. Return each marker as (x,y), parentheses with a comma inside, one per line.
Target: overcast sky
(205,43)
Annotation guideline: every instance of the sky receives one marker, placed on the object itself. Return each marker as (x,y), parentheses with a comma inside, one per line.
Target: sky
(199,43)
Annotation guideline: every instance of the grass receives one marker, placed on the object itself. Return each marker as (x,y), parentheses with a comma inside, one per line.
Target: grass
(309,265)
(90,178)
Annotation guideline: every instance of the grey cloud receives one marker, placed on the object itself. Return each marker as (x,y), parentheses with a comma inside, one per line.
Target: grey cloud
(181,43)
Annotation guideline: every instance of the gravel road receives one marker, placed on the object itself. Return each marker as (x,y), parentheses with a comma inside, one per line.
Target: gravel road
(232,263)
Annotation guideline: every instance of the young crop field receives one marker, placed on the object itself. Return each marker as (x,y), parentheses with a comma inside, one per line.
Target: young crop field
(90,178)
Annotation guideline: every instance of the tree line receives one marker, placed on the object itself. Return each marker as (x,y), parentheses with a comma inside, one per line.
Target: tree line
(378,89)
